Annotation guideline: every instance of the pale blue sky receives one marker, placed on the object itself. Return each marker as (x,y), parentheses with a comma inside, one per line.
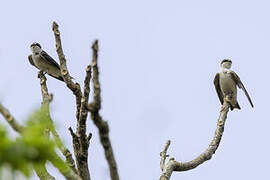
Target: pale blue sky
(157,63)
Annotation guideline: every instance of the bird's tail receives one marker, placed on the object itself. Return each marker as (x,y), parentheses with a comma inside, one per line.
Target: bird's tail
(235,106)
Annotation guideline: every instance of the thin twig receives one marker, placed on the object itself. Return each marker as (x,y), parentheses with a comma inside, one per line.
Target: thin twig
(163,155)
(173,165)
(81,125)
(46,97)
(10,119)
(80,140)
(102,125)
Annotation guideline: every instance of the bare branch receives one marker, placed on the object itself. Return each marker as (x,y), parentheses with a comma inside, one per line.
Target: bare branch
(80,140)
(164,155)
(89,137)
(102,125)
(173,165)
(74,87)
(10,119)
(77,152)
(81,125)
(46,97)
(71,132)
(87,81)
(80,143)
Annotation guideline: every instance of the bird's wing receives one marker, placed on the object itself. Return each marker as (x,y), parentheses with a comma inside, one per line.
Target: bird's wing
(49,59)
(57,77)
(239,83)
(31,60)
(217,86)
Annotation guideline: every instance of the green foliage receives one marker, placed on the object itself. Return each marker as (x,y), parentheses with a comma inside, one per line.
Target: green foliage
(33,147)
(13,153)
(36,135)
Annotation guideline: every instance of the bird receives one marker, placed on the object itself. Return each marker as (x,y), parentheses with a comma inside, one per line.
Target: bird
(44,62)
(226,82)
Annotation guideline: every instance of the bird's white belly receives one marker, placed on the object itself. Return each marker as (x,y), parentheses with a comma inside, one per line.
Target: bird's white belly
(227,84)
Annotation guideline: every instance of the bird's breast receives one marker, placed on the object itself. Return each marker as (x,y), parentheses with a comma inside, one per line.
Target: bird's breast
(40,63)
(227,84)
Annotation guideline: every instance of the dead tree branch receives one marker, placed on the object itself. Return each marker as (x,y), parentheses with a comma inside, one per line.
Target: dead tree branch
(10,119)
(173,165)
(102,125)
(74,87)
(80,139)
(46,97)
(163,155)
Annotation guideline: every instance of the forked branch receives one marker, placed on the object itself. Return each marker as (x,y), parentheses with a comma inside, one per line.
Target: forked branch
(174,165)
(80,139)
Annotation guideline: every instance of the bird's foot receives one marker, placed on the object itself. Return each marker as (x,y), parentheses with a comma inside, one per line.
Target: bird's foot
(40,74)
(226,99)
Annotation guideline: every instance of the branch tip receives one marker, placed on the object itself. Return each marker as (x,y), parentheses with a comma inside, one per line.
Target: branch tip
(95,45)
(55,26)
(89,137)
(72,132)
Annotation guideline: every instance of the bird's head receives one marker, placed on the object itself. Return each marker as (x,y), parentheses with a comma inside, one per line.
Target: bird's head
(35,48)
(226,63)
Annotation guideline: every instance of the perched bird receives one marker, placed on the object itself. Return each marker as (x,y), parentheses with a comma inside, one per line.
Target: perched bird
(41,60)
(226,83)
